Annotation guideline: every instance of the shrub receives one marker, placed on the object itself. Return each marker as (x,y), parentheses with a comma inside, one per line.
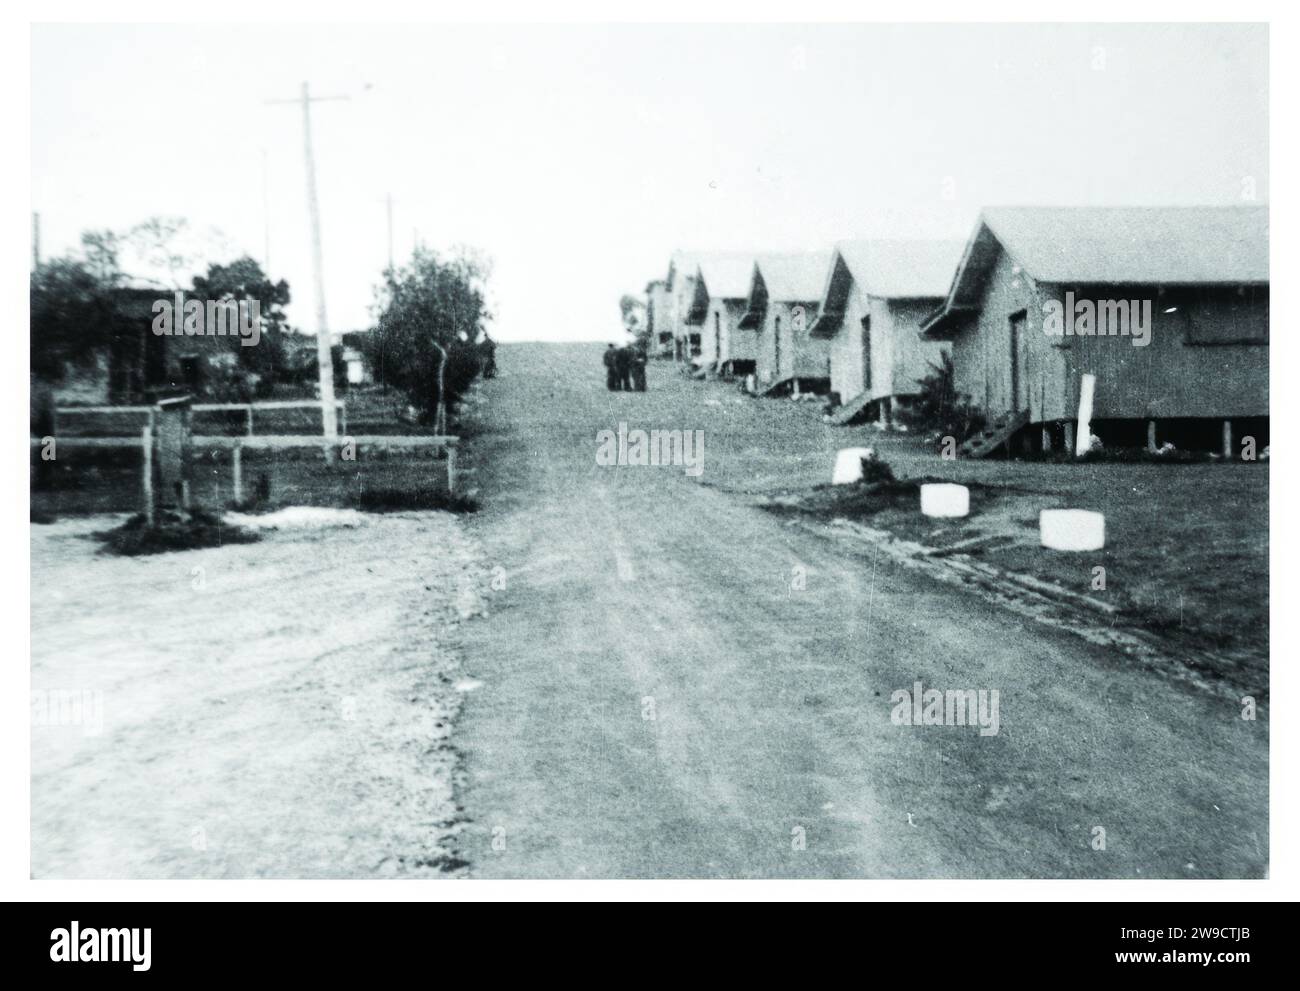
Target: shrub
(172,531)
(875,471)
(940,410)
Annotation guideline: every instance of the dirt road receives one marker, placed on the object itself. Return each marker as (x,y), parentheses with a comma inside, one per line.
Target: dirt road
(678,684)
(278,709)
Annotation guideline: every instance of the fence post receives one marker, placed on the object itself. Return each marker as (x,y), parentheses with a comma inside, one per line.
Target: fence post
(237,472)
(451,470)
(146,480)
(249,418)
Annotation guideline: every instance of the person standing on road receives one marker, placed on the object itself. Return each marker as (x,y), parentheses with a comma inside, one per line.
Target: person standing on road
(623,365)
(611,368)
(638,369)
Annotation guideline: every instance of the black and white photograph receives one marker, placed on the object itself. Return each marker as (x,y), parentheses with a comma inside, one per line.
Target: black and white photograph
(646,446)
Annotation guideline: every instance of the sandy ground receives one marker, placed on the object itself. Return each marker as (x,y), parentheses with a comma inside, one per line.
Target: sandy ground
(278,709)
(679,684)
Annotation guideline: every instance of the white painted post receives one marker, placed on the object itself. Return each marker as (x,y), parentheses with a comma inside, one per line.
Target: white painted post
(1083,439)
(237,472)
(146,478)
(1227,440)
(1047,439)
(1151,436)
(249,419)
(451,470)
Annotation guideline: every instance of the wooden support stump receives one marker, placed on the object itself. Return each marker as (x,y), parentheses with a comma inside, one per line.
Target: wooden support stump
(146,473)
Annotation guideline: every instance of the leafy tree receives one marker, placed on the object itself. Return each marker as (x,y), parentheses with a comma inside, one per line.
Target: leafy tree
(101,250)
(243,279)
(430,311)
(72,312)
(633,310)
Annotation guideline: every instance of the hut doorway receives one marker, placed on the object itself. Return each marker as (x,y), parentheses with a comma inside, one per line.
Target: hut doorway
(1019,369)
(866,353)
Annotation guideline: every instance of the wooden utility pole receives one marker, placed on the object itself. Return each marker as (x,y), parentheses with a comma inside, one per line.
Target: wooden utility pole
(266,218)
(324,359)
(390,230)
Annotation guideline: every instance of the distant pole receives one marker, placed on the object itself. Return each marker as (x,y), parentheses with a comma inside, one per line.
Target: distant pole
(324,359)
(390,230)
(36,240)
(266,217)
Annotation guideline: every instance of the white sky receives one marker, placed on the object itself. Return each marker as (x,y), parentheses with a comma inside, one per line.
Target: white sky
(579,157)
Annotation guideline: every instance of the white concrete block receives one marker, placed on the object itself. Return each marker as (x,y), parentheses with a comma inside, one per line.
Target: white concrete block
(1072,529)
(945,500)
(848,464)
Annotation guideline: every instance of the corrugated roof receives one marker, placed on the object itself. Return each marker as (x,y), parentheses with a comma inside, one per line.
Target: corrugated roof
(726,275)
(898,269)
(796,277)
(1147,245)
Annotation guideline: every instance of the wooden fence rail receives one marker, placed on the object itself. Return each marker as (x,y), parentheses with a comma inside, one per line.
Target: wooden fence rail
(265,442)
(280,442)
(144,442)
(248,410)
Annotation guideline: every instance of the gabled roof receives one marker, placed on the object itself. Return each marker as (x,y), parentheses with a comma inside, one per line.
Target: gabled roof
(899,269)
(1166,246)
(890,269)
(719,275)
(1136,245)
(726,276)
(791,277)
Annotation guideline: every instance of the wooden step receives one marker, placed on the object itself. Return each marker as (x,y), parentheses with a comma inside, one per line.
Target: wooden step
(771,390)
(994,435)
(852,409)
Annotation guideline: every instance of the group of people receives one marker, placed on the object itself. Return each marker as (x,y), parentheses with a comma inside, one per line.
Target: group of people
(625,368)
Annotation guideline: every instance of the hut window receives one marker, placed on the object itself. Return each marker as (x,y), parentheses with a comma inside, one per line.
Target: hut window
(1220,315)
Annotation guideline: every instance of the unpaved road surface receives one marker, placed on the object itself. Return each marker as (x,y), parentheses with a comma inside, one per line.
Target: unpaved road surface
(277,709)
(678,684)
